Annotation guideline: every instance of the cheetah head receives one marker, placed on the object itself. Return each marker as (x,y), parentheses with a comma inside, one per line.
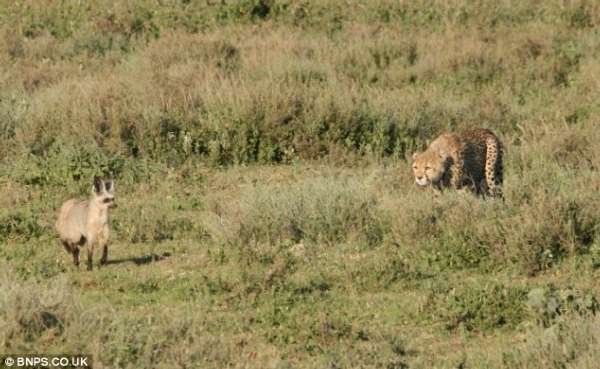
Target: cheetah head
(429,167)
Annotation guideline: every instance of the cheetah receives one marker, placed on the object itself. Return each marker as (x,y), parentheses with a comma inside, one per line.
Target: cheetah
(469,160)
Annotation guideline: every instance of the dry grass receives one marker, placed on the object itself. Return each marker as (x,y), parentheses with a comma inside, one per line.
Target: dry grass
(267,215)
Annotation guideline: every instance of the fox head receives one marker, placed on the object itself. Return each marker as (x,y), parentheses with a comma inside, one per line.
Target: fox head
(103,192)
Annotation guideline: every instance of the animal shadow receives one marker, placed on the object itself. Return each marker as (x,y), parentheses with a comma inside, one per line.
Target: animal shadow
(141,260)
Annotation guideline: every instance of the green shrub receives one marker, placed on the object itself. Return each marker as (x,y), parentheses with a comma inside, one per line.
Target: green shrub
(483,308)
(18,225)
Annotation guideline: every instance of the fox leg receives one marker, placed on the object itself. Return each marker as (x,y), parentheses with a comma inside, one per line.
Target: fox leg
(90,256)
(75,252)
(67,246)
(72,249)
(103,242)
(104,254)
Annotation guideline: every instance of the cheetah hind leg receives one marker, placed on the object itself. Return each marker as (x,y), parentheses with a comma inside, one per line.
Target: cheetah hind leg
(499,175)
(493,168)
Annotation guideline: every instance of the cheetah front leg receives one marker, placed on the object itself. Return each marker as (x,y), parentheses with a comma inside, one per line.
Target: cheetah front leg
(456,178)
(436,190)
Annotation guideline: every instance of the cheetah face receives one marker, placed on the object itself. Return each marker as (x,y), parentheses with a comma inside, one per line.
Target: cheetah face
(428,168)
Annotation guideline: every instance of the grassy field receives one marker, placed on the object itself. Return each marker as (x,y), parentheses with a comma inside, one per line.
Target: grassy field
(267,215)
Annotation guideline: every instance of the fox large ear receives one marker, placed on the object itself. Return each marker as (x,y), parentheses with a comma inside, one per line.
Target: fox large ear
(109,185)
(97,184)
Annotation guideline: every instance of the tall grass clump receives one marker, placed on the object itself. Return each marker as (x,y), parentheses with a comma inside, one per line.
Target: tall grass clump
(548,214)
(327,210)
(49,316)
(146,83)
(31,312)
(572,343)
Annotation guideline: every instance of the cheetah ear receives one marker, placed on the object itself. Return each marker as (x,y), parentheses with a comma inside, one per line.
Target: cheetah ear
(414,156)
